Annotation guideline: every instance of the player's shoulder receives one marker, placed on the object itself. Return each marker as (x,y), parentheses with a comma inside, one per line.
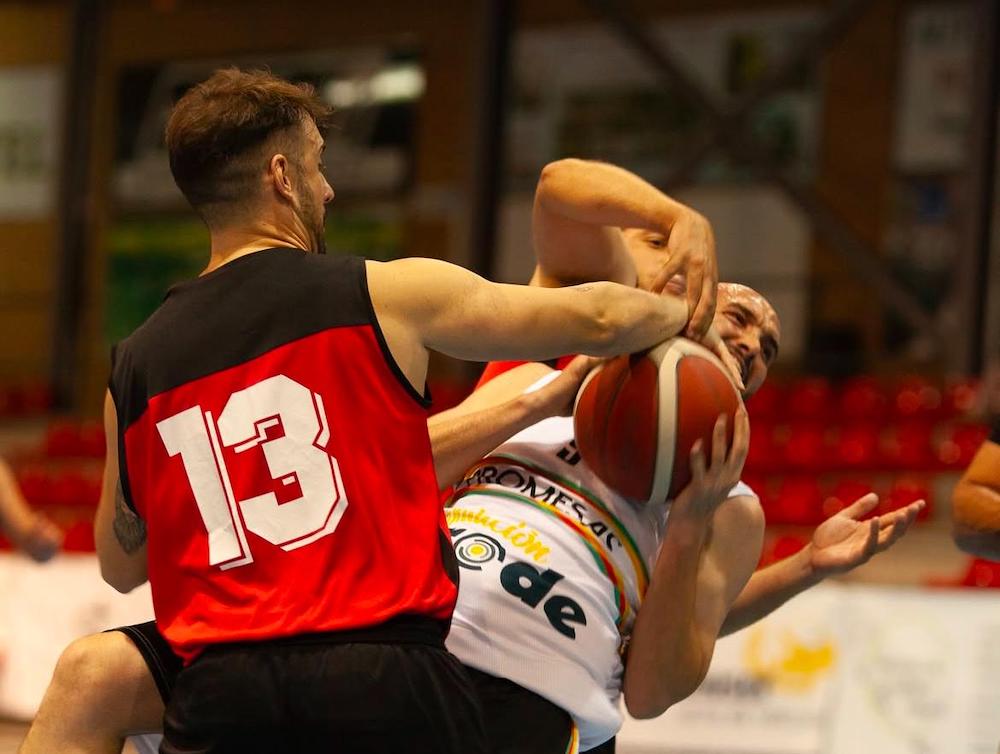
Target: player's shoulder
(742,510)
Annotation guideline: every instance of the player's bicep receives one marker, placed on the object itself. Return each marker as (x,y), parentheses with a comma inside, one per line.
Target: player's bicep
(570,252)
(119,532)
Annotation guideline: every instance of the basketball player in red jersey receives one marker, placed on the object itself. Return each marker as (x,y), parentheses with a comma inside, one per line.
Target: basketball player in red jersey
(269,468)
(114,691)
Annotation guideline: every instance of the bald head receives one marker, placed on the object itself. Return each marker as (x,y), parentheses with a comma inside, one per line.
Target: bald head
(750,328)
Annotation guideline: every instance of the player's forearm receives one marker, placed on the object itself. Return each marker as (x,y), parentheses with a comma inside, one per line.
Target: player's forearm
(13,507)
(460,438)
(601,194)
(630,319)
(769,589)
(667,659)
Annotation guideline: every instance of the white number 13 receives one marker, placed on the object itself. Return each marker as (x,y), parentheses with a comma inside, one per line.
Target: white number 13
(298,455)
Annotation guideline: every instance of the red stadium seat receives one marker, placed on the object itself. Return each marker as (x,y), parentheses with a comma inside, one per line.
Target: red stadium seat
(916,398)
(68,488)
(908,446)
(810,398)
(857,446)
(961,396)
(984,574)
(766,403)
(62,439)
(862,399)
(79,537)
(766,443)
(36,398)
(959,443)
(34,483)
(798,501)
(908,489)
(91,439)
(806,448)
(780,547)
(845,491)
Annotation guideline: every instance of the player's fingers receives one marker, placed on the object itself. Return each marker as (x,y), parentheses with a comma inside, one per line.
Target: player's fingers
(697,461)
(899,526)
(670,268)
(741,439)
(731,364)
(580,366)
(719,442)
(704,310)
(887,537)
(861,507)
(871,544)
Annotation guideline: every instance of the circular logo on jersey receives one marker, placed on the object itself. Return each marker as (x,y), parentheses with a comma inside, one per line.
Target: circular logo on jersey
(473,550)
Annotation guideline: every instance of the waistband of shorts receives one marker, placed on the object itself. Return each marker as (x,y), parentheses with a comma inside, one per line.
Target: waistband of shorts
(402,629)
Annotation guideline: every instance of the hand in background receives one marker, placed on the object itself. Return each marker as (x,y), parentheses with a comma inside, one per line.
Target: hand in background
(843,541)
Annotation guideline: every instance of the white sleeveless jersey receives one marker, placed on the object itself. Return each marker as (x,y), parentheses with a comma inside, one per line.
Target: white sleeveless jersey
(554,565)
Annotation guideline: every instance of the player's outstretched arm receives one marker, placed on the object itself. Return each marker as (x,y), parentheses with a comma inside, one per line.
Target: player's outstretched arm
(119,533)
(581,207)
(709,550)
(839,544)
(427,303)
(976,503)
(27,530)
(497,411)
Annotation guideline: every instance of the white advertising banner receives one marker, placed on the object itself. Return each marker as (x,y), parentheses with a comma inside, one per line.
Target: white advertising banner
(846,670)
(838,670)
(45,607)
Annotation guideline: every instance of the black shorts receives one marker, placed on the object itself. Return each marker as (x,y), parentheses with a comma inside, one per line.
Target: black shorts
(517,721)
(388,689)
(163,664)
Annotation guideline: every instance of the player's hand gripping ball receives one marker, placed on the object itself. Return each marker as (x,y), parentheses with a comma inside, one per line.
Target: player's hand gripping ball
(637,416)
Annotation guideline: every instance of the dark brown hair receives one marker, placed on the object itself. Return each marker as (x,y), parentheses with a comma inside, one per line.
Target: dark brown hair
(216,130)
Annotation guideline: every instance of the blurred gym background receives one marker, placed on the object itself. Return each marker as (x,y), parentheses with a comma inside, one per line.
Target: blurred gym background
(845,151)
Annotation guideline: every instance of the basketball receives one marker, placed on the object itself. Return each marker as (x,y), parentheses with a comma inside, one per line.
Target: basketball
(637,416)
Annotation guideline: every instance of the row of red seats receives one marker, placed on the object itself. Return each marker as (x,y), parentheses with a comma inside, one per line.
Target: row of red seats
(78,536)
(865,399)
(807,500)
(979,573)
(26,399)
(66,438)
(815,446)
(60,487)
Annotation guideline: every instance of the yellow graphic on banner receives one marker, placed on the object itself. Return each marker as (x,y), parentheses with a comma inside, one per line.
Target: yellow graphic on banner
(786,662)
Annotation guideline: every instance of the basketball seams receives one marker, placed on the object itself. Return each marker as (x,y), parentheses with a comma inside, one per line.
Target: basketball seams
(666,418)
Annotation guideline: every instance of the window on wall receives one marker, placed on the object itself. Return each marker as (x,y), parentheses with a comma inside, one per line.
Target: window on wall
(155,240)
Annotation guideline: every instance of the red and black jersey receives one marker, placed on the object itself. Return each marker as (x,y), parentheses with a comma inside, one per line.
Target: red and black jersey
(279,458)
(496,368)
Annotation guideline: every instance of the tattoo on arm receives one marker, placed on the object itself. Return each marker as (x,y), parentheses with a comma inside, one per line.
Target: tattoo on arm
(130,529)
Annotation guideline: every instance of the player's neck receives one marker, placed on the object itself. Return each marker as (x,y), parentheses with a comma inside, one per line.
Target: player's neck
(238,241)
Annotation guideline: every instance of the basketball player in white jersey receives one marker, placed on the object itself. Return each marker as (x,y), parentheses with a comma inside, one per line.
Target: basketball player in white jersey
(692,588)
(568,589)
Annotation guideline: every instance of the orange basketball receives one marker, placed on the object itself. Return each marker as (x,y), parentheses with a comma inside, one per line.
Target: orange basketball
(636,417)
